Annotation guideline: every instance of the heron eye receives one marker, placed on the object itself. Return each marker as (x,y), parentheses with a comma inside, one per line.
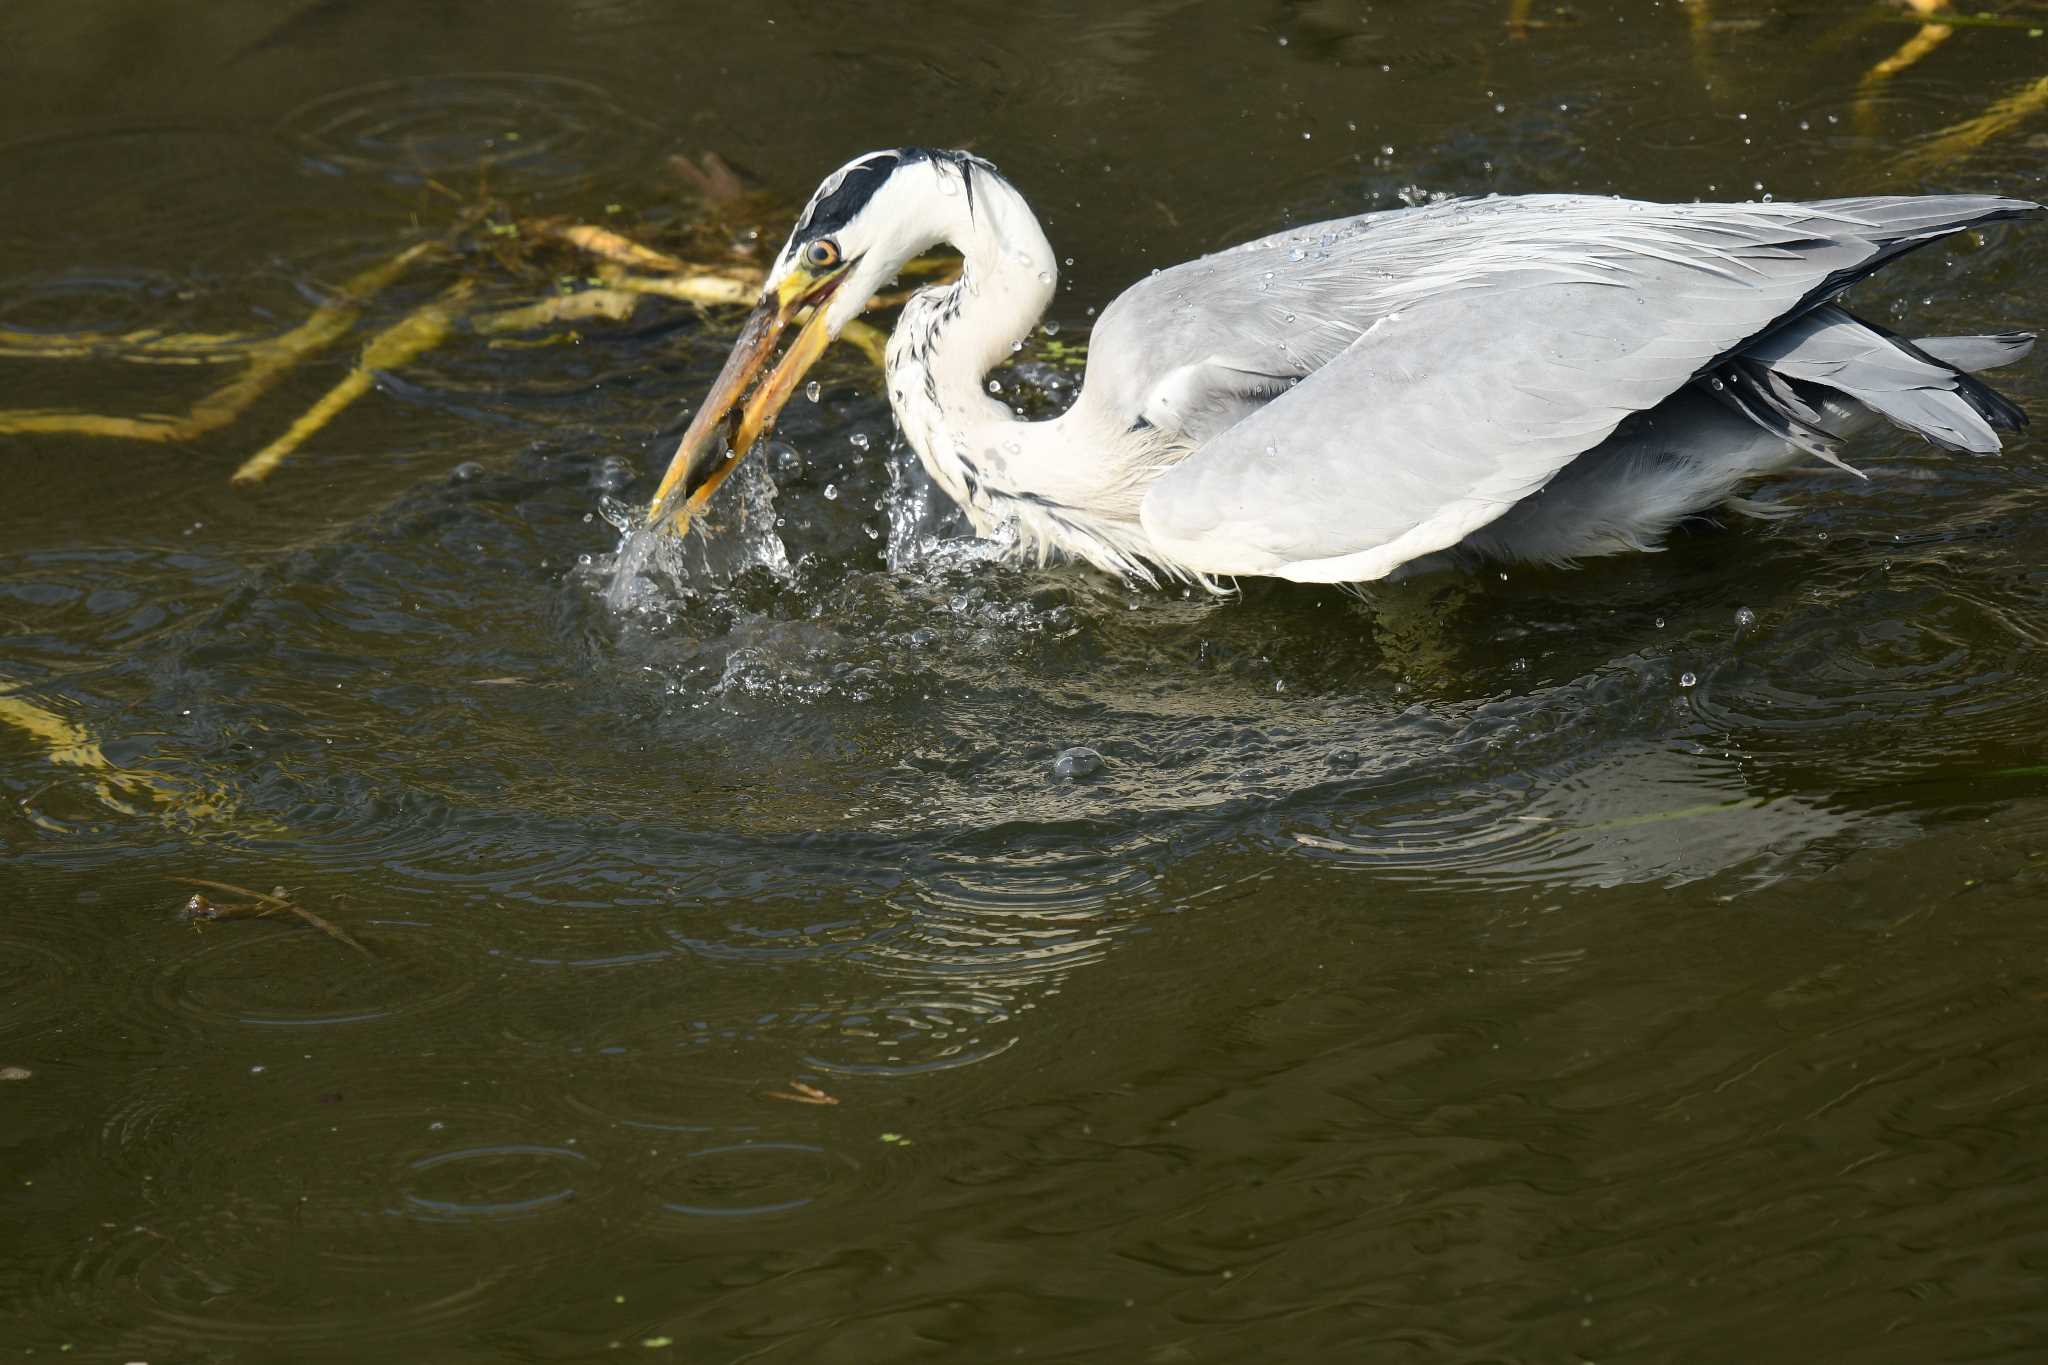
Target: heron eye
(822,254)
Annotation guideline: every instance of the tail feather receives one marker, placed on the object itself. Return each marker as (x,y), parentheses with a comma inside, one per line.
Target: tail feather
(1971,354)
(1908,383)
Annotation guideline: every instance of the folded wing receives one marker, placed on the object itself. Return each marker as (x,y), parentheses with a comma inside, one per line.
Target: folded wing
(1503,346)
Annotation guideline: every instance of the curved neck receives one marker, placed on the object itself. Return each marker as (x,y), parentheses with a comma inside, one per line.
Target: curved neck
(951,336)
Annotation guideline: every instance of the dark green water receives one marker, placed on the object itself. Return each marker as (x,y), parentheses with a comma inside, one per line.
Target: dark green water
(1437,977)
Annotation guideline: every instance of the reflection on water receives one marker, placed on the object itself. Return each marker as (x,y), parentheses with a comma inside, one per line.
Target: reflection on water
(1600,963)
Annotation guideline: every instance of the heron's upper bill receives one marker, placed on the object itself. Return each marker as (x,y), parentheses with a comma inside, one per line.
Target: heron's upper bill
(712,445)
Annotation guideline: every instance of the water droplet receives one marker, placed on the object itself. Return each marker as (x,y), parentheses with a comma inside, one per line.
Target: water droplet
(1660,623)
(1687,680)
(995,386)
(1297,254)
(859,440)
(1745,619)
(1072,765)
(1049,327)
(467,470)
(1500,108)
(814,390)
(832,492)
(1045,277)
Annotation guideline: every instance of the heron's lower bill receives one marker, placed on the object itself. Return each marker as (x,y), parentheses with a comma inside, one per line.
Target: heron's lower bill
(702,459)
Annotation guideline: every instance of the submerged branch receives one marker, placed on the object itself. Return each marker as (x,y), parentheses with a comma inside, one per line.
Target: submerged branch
(1959,140)
(403,341)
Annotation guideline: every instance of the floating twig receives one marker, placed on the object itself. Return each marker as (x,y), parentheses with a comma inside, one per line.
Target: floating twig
(277,900)
(607,245)
(801,1093)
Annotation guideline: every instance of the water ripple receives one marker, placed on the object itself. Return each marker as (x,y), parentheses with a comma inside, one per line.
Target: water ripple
(526,128)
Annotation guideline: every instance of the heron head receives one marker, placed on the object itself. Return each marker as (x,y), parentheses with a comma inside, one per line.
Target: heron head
(866,220)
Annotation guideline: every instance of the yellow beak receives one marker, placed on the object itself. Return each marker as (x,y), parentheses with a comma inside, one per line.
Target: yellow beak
(702,461)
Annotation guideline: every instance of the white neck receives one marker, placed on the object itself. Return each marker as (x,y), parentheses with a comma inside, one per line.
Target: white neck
(1057,482)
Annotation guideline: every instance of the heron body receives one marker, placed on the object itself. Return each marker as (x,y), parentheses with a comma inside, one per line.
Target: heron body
(1538,378)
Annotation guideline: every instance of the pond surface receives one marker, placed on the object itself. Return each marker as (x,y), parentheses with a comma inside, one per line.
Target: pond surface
(1538,968)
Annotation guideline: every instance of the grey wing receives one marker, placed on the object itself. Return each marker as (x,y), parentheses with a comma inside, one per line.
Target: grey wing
(1505,339)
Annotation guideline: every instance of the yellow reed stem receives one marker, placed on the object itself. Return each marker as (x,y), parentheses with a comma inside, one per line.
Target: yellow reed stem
(405,340)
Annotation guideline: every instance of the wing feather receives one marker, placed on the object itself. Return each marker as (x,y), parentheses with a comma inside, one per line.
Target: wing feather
(1461,356)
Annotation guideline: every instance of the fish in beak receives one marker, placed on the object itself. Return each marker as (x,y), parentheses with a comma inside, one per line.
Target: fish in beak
(712,447)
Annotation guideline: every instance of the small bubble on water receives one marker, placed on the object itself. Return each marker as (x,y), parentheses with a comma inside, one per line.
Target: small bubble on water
(1072,765)
(1687,679)
(859,440)
(814,390)
(1745,619)
(1049,327)
(995,386)
(1660,623)
(831,492)
(467,470)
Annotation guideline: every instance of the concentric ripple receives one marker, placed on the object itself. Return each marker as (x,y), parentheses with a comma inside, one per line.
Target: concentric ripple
(750,1179)
(254,974)
(532,129)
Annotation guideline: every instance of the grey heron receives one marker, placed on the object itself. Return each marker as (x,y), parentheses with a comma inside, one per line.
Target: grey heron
(1528,378)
